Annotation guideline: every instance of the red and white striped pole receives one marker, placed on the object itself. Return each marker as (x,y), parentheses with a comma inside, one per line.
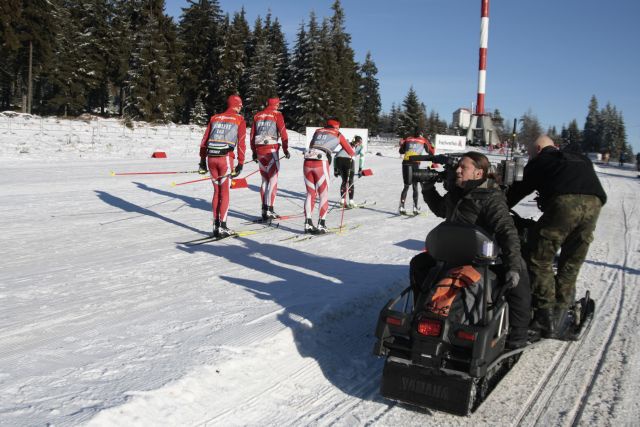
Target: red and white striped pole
(484,41)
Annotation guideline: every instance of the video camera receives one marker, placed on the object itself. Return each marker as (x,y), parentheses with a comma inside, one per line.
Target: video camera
(506,172)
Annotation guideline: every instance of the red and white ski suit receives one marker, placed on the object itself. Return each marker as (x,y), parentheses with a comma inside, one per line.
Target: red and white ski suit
(267,126)
(316,167)
(225,132)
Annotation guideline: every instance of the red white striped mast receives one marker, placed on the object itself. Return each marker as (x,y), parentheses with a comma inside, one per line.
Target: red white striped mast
(482,68)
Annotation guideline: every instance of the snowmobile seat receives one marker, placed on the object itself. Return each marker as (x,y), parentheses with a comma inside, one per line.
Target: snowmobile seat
(461,244)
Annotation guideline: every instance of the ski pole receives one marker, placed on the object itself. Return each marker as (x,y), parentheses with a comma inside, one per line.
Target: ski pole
(175,184)
(242,182)
(365,172)
(149,173)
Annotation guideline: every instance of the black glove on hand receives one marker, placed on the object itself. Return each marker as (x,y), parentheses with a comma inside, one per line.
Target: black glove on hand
(254,156)
(511,279)
(237,170)
(359,173)
(287,154)
(336,173)
(202,167)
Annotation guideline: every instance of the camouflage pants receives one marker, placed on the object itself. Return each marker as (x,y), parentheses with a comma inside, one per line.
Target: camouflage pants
(567,224)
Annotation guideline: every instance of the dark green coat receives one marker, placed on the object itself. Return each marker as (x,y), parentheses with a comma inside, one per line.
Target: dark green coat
(481,203)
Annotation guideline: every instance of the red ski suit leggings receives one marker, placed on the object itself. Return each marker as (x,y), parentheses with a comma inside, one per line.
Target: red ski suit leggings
(269,164)
(219,167)
(316,179)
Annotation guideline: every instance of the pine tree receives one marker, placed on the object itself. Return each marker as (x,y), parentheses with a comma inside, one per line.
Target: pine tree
(573,136)
(151,84)
(261,78)
(10,16)
(280,54)
(233,58)
(530,128)
(345,101)
(296,89)
(200,37)
(591,141)
(36,30)
(412,119)
(394,119)
(369,111)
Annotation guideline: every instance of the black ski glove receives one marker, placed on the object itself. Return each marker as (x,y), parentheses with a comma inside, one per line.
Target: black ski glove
(237,170)
(202,167)
(287,154)
(359,173)
(254,156)
(511,279)
(336,173)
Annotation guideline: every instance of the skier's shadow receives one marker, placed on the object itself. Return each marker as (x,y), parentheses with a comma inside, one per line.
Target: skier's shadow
(131,207)
(315,292)
(193,202)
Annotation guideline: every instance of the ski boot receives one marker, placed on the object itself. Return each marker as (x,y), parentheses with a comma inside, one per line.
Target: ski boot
(543,323)
(224,231)
(416,210)
(401,209)
(216,227)
(352,204)
(309,227)
(321,228)
(271,214)
(265,212)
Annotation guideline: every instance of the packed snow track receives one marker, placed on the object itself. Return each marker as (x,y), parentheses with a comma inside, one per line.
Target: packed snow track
(106,318)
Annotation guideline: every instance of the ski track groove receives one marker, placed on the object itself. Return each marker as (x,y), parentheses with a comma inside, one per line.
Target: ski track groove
(613,333)
(534,400)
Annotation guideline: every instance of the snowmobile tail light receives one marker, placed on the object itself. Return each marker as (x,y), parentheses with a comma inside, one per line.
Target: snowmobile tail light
(394,321)
(467,336)
(430,327)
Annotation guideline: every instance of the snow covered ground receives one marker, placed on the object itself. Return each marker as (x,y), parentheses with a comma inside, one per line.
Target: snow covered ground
(107,319)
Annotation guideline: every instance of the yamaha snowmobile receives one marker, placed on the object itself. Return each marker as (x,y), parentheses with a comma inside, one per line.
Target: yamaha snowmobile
(446,351)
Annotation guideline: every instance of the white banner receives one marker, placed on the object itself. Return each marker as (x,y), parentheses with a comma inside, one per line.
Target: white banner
(450,143)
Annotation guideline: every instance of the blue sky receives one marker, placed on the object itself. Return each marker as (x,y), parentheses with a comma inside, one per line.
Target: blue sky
(547,56)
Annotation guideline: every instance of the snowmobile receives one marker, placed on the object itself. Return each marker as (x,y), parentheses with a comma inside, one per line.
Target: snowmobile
(450,358)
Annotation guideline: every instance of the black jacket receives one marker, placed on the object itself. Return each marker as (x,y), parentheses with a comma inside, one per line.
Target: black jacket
(552,173)
(481,203)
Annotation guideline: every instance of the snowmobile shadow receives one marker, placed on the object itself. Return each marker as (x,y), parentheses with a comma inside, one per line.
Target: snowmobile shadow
(411,244)
(628,270)
(330,304)
(133,208)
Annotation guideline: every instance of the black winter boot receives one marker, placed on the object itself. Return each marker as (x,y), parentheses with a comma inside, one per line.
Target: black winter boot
(544,321)
(518,338)
(216,226)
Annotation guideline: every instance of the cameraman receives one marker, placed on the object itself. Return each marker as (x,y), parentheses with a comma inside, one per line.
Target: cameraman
(476,199)
(571,197)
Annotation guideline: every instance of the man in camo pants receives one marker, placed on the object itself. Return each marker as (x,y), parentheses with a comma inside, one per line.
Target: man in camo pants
(570,196)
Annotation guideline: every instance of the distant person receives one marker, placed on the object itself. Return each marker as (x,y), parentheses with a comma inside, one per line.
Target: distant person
(623,158)
(225,133)
(268,126)
(605,157)
(570,197)
(638,161)
(344,167)
(412,146)
(317,160)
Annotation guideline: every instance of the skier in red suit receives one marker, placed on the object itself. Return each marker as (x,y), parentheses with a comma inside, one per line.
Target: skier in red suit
(268,126)
(317,159)
(225,133)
